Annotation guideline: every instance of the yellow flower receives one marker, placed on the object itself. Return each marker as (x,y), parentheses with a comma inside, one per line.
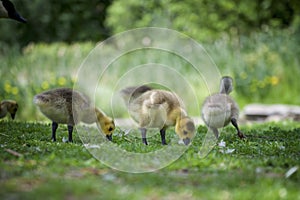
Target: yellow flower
(274,80)
(15,90)
(62,81)
(7,87)
(45,85)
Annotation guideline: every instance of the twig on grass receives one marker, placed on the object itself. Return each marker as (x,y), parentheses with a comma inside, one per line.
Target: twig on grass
(4,134)
(13,152)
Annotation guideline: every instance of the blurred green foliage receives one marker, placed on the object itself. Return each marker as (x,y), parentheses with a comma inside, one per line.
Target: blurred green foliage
(265,67)
(204,19)
(50,21)
(257,42)
(77,20)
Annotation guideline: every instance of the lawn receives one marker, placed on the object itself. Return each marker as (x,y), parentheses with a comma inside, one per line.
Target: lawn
(263,166)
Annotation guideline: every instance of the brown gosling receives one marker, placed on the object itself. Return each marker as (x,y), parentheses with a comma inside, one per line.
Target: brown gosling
(67,106)
(219,109)
(8,106)
(7,10)
(152,108)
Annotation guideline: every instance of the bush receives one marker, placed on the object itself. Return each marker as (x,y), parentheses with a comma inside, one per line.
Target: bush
(203,20)
(53,21)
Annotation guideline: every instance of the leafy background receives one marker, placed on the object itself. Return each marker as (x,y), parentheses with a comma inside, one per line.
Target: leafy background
(256,42)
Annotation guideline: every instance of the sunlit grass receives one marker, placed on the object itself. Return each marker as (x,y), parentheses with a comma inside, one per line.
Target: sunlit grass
(257,168)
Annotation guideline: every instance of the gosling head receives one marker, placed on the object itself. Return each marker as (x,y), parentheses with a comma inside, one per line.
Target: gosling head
(185,129)
(226,85)
(7,10)
(11,107)
(107,125)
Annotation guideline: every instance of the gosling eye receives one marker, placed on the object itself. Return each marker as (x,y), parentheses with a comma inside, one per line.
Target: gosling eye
(110,129)
(185,132)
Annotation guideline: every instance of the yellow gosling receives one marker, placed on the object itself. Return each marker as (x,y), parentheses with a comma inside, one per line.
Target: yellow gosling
(67,106)
(7,10)
(8,106)
(152,108)
(219,109)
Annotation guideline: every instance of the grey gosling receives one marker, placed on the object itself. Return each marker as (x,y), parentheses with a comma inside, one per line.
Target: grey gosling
(67,106)
(219,109)
(153,108)
(8,106)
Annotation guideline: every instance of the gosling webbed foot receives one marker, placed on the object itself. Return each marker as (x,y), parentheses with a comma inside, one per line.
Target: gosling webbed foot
(144,140)
(239,133)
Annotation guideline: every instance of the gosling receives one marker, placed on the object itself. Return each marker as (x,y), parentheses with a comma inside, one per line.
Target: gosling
(8,106)
(67,106)
(7,10)
(220,109)
(152,108)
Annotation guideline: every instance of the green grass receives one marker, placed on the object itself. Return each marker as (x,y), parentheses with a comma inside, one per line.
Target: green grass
(255,170)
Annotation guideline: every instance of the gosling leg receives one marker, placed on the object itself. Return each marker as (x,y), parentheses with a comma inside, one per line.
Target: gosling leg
(143,132)
(70,131)
(239,133)
(163,136)
(54,127)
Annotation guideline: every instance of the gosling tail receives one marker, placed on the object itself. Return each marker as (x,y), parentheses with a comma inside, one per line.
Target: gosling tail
(40,100)
(131,93)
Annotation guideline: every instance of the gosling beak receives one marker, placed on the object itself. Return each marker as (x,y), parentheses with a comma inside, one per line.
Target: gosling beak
(186,141)
(109,137)
(18,17)
(13,115)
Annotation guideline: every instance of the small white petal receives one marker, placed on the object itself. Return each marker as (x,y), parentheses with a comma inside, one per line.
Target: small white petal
(64,139)
(222,144)
(229,151)
(282,147)
(291,171)
(180,142)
